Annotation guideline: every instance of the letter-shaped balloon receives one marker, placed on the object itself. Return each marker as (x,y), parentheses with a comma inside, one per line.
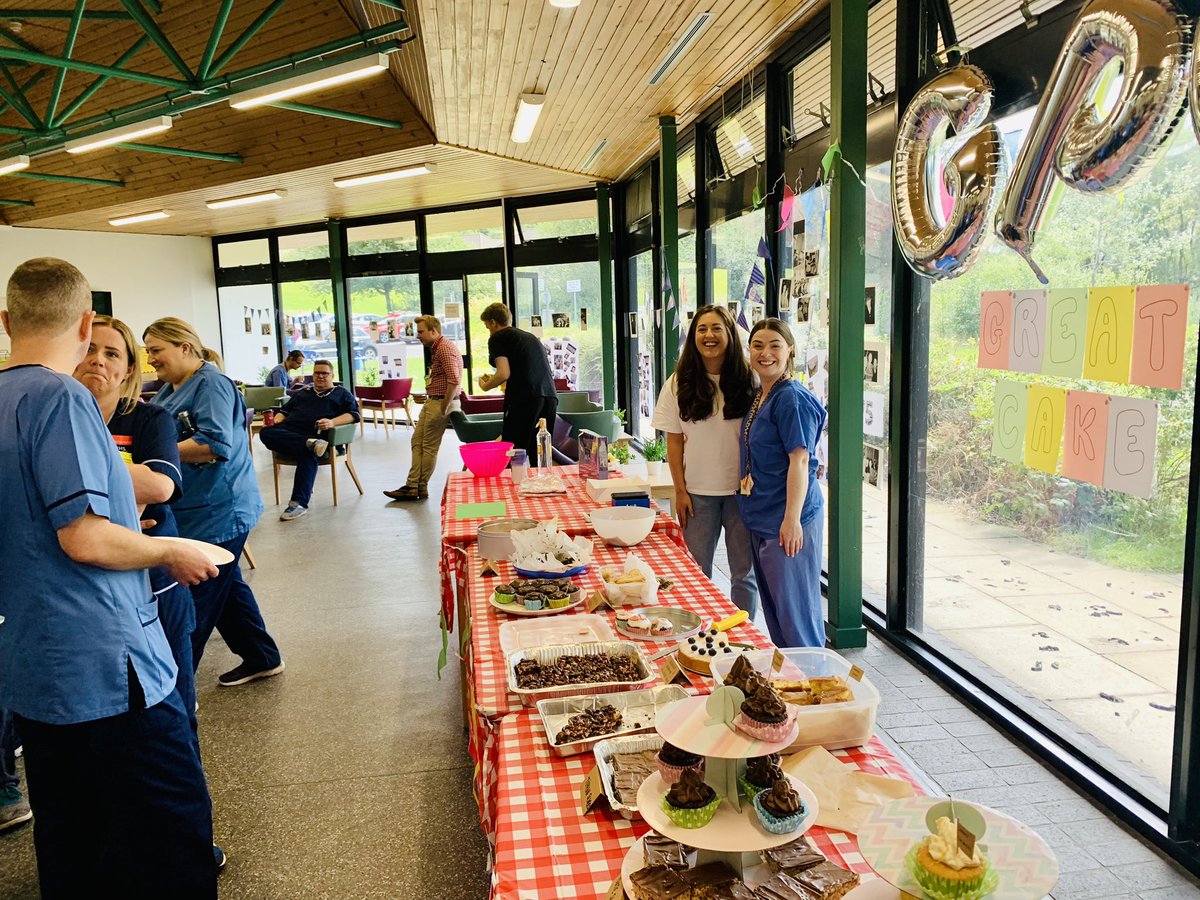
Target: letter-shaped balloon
(976,160)
(1069,140)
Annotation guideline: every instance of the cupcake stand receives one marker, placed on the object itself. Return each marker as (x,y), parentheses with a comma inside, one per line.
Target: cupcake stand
(734,836)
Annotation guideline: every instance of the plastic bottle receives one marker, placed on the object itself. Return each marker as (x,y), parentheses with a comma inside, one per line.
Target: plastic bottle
(545,456)
(519,468)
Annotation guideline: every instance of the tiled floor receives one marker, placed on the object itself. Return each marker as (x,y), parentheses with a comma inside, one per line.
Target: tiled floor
(348,776)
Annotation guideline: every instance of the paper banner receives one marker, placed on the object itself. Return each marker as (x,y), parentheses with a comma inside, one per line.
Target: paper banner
(720,281)
(1159,335)
(1045,408)
(1085,437)
(1109,334)
(873,407)
(786,207)
(1008,424)
(995,329)
(1066,325)
(1129,457)
(1028,331)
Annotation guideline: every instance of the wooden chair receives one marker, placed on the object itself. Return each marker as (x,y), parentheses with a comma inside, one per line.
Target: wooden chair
(340,436)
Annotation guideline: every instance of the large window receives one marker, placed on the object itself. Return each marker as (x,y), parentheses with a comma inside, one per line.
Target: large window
(471,229)
(310,325)
(642,291)
(250,345)
(384,306)
(1064,591)
(568,302)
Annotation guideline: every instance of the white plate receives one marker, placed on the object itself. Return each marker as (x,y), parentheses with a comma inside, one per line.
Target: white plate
(217,555)
(579,629)
(517,608)
(729,831)
(686,724)
(685,621)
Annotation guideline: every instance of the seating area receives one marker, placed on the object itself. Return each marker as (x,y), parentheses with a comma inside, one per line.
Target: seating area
(341,447)
(383,400)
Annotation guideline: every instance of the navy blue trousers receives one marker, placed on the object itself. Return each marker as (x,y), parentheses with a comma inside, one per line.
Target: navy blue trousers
(227,604)
(120,805)
(293,444)
(8,751)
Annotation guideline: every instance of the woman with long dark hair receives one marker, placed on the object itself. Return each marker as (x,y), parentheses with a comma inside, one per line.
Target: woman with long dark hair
(779,496)
(700,408)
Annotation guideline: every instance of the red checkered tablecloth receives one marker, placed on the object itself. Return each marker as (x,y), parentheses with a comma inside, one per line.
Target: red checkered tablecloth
(546,849)
(571,509)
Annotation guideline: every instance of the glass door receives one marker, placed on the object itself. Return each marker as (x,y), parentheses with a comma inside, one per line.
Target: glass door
(457,302)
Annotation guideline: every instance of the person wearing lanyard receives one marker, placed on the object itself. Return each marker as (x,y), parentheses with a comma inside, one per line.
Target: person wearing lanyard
(115,783)
(779,495)
(701,408)
(297,428)
(220,501)
(443,384)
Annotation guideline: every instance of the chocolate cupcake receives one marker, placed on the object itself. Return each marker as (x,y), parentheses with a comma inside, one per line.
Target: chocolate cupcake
(765,716)
(672,762)
(759,776)
(690,803)
(738,674)
(780,809)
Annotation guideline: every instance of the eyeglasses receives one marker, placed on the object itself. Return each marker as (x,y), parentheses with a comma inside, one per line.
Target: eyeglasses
(322,374)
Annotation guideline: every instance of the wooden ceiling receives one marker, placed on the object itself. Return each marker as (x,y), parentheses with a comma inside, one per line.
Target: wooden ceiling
(453,87)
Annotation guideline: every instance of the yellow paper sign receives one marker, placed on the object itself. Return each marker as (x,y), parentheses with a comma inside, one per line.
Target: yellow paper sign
(1045,412)
(1109,342)
(856,673)
(596,601)
(777,661)
(671,672)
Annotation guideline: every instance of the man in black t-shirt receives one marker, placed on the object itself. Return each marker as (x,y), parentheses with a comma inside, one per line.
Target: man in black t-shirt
(521,365)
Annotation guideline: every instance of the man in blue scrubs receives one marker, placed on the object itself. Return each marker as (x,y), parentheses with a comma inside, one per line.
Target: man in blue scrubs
(119,798)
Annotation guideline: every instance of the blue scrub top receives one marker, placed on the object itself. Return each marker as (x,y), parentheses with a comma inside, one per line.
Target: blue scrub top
(70,631)
(790,418)
(278,377)
(220,500)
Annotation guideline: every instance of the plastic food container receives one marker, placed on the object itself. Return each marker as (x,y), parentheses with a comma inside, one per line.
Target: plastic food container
(638,710)
(834,725)
(623,526)
(544,655)
(485,459)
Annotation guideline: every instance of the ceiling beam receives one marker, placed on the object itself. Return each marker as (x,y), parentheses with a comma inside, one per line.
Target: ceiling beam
(78,65)
(67,179)
(242,39)
(16,39)
(338,114)
(176,151)
(11,14)
(25,87)
(16,203)
(16,97)
(138,13)
(101,80)
(68,49)
(214,39)
(390,4)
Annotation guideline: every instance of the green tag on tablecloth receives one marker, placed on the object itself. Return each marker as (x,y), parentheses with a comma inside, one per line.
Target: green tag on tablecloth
(480,510)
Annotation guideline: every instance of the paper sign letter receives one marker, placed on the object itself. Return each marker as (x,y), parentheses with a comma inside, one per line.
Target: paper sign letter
(1066,326)
(1028,331)
(1044,427)
(995,327)
(1008,424)
(1109,334)
(1159,335)
(1132,432)
(1085,437)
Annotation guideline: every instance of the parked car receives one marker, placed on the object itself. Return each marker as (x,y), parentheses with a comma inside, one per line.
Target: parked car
(315,348)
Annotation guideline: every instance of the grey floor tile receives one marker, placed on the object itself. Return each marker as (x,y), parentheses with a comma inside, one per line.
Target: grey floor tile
(890,720)
(1072,809)
(907,734)
(971,728)
(1029,774)
(1005,756)
(982,742)
(1153,875)
(952,782)
(1090,884)
(1177,892)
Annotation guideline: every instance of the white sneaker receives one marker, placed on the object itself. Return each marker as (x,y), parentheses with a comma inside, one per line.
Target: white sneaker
(318,447)
(293,511)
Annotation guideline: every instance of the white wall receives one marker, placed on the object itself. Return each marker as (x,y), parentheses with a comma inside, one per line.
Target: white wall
(148,275)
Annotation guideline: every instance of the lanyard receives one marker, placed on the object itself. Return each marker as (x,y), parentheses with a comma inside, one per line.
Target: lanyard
(747,483)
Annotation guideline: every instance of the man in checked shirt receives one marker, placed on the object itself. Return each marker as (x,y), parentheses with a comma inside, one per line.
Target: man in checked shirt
(442,386)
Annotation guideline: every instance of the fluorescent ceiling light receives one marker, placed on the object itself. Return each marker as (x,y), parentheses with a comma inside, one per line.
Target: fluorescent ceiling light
(13,164)
(528,109)
(245,199)
(118,135)
(681,46)
(564,4)
(313,81)
(140,217)
(388,175)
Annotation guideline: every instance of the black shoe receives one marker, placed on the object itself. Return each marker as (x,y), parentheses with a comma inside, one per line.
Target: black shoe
(406,493)
(220,858)
(246,673)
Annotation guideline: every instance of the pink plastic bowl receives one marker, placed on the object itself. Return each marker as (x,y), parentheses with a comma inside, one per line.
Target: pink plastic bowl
(486,459)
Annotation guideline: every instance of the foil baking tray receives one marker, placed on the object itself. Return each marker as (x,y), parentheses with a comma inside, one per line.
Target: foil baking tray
(638,710)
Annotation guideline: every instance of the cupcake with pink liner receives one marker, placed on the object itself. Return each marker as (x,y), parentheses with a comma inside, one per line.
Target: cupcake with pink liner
(764,716)
(638,624)
(672,762)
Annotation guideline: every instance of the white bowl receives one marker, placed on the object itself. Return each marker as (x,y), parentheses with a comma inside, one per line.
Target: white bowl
(623,526)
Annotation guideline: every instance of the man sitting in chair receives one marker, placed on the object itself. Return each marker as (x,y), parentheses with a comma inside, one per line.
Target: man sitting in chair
(298,426)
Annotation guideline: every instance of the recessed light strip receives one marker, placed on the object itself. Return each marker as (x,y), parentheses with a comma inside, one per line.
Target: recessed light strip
(596,151)
(13,164)
(388,175)
(118,135)
(689,37)
(314,81)
(245,199)
(140,217)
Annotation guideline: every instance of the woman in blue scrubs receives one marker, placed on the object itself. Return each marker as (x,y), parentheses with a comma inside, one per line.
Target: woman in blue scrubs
(779,496)
(220,501)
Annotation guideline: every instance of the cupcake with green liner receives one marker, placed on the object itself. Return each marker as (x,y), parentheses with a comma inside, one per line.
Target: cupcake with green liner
(765,716)
(780,809)
(761,772)
(690,803)
(944,871)
(672,762)
(506,593)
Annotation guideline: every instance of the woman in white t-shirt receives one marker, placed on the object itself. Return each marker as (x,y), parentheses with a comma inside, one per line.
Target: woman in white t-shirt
(700,409)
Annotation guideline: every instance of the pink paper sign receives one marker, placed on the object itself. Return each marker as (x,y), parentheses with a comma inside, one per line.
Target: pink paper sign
(1159,335)
(1085,436)
(995,329)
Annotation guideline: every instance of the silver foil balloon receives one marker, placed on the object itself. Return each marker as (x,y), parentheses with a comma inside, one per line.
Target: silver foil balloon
(975,162)
(1070,140)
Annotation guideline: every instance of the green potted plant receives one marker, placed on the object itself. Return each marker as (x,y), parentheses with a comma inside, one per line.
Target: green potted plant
(654,452)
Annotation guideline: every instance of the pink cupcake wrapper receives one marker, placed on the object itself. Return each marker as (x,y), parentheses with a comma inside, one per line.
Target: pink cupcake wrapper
(764,731)
(671,774)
